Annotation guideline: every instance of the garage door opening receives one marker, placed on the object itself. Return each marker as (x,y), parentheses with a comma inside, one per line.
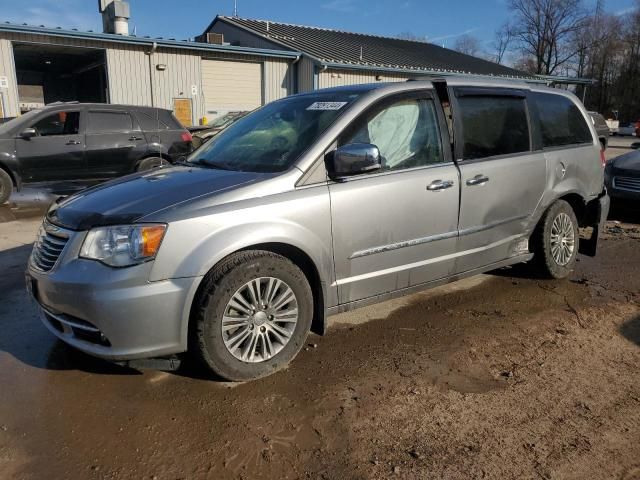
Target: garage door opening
(230,86)
(52,73)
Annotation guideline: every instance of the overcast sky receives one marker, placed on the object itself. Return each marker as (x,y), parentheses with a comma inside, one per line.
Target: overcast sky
(441,22)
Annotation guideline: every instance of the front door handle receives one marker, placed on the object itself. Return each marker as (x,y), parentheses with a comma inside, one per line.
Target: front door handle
(73,142)
(438,185)
(134,138)
(478,180)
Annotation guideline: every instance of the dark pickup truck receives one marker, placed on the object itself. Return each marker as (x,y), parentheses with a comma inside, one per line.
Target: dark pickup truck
(84,144)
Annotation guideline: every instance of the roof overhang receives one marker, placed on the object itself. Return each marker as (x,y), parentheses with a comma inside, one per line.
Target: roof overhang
(424,73)
(145,41)
(561,80)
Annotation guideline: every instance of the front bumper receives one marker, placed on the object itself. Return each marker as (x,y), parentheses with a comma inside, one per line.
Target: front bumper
(116,314)
(628,191)
(619,194)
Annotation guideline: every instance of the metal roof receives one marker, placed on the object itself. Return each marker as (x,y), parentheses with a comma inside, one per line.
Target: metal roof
(146,41)
(340,49)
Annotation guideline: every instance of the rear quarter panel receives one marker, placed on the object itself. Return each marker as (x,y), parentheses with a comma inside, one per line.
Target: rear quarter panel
(572,169)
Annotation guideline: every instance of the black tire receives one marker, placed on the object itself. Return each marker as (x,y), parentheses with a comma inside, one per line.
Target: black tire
(6,186)
(151,162)
(219,286)
(543,258)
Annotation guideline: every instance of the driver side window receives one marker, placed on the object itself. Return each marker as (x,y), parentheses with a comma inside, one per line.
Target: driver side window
(59,123)
(405,131)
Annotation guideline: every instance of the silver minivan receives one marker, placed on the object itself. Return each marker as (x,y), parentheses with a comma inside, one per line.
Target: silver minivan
(317,204)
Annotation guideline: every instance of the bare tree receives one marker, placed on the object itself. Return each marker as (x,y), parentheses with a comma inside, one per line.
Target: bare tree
(468,44)
(502,42)
(543,30)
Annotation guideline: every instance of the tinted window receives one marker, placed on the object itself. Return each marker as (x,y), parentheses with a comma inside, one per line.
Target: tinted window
(150,122)
(273,137)
(170,120)
(493,125)
(59,123)
(561,121)
(405,131)
(104,122)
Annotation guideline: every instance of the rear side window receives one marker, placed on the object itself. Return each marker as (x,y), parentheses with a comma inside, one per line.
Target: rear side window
(158,120)
(493,125)
(169,119)
(561,121)
(59,123)
(109,122)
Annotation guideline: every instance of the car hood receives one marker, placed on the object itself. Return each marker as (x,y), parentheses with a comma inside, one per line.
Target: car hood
(135,196)
(629,162)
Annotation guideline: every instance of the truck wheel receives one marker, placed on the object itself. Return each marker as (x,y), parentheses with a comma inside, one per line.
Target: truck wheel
(252,315)
(6,186)
(556,240)
(151,162)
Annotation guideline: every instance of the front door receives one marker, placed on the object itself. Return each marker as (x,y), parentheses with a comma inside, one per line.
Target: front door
(502,176)
(56,153)
(396,227)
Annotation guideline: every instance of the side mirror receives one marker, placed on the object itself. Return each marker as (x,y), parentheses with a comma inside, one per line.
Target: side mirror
(28,133)
(353,159)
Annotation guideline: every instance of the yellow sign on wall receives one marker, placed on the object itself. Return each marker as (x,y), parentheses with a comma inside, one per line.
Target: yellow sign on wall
(182,111)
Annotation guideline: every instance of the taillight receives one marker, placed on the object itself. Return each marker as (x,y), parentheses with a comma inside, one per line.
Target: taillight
(186,137)
(603,159)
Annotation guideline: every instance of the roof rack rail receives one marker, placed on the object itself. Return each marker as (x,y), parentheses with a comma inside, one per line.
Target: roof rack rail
(63,103)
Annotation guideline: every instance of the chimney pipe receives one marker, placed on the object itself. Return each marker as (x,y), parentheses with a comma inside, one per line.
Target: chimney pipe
(115,16)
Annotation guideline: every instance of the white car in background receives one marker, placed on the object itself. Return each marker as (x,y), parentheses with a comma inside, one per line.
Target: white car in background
(628,130)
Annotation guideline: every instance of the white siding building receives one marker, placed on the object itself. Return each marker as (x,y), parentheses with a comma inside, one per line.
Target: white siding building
(42,65)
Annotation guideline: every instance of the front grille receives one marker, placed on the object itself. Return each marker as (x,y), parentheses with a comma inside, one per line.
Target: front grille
(48,246)
(627,183)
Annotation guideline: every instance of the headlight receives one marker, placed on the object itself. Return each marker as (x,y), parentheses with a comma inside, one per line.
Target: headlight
(123,245)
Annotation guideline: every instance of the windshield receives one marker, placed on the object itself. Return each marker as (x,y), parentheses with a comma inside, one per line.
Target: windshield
(11,124)
(272,138)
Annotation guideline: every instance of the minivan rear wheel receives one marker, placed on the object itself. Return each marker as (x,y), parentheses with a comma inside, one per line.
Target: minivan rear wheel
(253,315)
(556,241)
(6,186)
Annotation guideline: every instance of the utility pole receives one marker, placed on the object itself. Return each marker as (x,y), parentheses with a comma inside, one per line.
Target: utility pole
(235,8)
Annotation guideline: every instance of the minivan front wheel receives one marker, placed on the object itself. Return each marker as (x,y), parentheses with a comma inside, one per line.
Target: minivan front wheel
(253,317)
(556,241)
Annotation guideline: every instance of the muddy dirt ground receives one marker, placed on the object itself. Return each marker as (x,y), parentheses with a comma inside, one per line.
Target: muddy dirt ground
(500,376)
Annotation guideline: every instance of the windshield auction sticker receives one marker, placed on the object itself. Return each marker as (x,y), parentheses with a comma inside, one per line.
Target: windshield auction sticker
(326,106)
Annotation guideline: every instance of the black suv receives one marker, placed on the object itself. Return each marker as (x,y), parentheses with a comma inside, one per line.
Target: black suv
(83,143)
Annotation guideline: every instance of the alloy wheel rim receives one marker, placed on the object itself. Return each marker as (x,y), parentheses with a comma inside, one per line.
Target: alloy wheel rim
(563,239)
(259,319)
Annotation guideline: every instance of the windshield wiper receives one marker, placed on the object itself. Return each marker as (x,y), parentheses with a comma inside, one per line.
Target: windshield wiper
(207,164)
(182,162)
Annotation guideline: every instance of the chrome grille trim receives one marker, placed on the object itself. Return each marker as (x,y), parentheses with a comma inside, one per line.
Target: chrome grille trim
(49,245)
(630,184)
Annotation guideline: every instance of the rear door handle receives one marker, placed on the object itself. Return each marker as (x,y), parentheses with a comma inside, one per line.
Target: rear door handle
(73,142)
(478,180)
(438,185)
(134,138)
